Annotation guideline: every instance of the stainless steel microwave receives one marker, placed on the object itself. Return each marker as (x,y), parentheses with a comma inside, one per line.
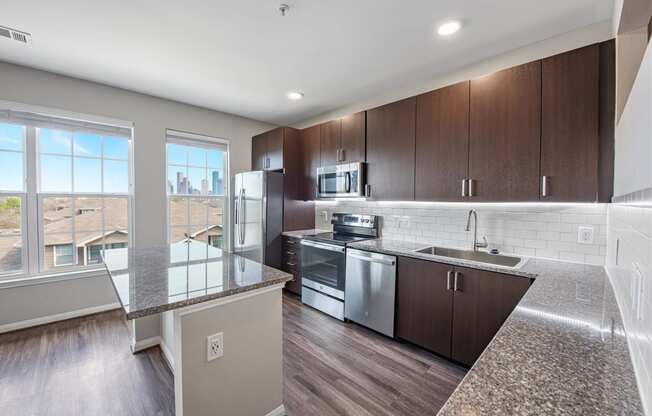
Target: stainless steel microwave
(341,181)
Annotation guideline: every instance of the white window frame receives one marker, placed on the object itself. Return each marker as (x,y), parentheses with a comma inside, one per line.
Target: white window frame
(32,231)
(192,139)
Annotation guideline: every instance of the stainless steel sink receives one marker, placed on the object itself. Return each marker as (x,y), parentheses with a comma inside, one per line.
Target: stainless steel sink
(477,256)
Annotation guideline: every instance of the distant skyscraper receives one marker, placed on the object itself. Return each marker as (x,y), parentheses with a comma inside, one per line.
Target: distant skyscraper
(204,186)
(218,186)
(182,184)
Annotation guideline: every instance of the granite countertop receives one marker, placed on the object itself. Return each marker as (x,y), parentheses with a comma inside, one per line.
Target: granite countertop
(563,351)
(153,280)
(302,233)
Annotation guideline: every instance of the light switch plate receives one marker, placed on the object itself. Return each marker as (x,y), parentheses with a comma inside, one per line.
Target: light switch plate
(585,235)
(214,346)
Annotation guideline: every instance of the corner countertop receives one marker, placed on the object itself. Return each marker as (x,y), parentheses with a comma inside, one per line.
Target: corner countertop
(303,233)
(562,351)
(153,280)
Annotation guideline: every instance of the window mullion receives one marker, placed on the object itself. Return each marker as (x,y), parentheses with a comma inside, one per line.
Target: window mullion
(32,228)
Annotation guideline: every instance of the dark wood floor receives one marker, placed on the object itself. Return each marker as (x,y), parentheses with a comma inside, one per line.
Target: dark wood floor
(84,367)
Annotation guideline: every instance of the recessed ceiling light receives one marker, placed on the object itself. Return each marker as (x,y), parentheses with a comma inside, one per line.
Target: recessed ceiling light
(449,28)
(293,95)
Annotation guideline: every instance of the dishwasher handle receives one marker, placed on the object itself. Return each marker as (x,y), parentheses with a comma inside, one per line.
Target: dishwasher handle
(386,260)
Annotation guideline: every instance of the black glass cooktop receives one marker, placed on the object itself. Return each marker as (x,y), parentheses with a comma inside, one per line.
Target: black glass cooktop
(335,238)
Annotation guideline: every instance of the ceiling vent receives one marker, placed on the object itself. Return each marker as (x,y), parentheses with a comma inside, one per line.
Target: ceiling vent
(16,35)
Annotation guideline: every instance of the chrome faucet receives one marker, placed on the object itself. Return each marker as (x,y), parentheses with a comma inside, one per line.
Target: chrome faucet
(476,245)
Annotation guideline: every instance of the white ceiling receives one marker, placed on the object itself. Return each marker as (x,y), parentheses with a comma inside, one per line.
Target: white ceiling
(242,57)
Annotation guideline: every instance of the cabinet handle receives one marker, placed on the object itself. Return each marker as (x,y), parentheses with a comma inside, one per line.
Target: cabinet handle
(455,284)
(342,157)
(470,181)
(463,187)
(367,191)
(544,186)
(291,264)
(448,279)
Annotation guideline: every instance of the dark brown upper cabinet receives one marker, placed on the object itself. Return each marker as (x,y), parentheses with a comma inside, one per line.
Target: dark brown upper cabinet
(483,300)
(343,140)
(354,132)
(570,138)
(424,304)
(310,161)
(331,138)
(390,150)
(505,135)
(442,144)
(267,149)
(259,152)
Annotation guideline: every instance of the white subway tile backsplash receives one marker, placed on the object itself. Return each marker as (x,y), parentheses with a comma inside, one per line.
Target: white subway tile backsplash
(540,230)
(629,263)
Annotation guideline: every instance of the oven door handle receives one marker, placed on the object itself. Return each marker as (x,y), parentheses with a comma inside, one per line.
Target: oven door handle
(322,246)
(347,182)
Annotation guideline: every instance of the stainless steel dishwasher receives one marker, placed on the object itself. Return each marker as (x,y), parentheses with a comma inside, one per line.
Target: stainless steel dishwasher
(370,290)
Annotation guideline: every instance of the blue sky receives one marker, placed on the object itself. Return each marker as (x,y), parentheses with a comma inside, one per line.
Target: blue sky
(55,166)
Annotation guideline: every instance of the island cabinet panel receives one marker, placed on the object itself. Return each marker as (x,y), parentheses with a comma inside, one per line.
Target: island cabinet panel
(353,138)
(570,138)
(505,135)
(442,144)
(483,300)
(424,304)
(331,135)
(390,150)
(310,161)
(259,152)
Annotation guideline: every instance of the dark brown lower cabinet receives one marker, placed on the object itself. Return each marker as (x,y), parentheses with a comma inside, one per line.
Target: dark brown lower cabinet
(292,263)
(453,311)
(482,302)
(425,304)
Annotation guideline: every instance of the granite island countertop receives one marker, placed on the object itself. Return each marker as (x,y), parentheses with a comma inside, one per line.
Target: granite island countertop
(153,280)
(562,351)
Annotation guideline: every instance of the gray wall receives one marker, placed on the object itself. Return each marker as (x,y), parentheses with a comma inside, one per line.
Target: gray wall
(151,117)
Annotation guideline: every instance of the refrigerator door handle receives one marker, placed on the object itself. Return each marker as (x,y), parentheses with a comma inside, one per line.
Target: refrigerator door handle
(243,214)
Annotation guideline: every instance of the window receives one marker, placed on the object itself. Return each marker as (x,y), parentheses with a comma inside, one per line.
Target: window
(94,253)
(12,198)
(197,186)
(63,254)
(65,188)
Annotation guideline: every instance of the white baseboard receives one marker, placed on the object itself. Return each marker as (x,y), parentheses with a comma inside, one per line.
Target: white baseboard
(58,317)
(167,355)
(143,344)
(279,411)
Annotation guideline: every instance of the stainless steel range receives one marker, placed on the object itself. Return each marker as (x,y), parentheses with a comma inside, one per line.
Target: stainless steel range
(323,261)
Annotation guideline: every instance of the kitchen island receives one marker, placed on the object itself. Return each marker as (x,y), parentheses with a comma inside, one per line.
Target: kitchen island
(202,291)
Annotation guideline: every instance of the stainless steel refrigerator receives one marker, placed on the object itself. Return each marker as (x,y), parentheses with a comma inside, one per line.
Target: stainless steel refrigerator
(257,207)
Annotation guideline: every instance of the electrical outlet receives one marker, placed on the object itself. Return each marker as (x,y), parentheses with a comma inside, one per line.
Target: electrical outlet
(585,235)
(214,346)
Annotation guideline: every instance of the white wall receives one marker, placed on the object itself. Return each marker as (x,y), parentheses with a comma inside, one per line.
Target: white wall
(633,170)
(536,230)
(598,32)
(629,239)
(151,117)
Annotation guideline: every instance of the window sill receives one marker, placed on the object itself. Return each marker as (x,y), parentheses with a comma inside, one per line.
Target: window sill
(51,278)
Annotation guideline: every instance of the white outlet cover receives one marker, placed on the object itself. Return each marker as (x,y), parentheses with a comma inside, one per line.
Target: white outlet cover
(214,346)
(585,235)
